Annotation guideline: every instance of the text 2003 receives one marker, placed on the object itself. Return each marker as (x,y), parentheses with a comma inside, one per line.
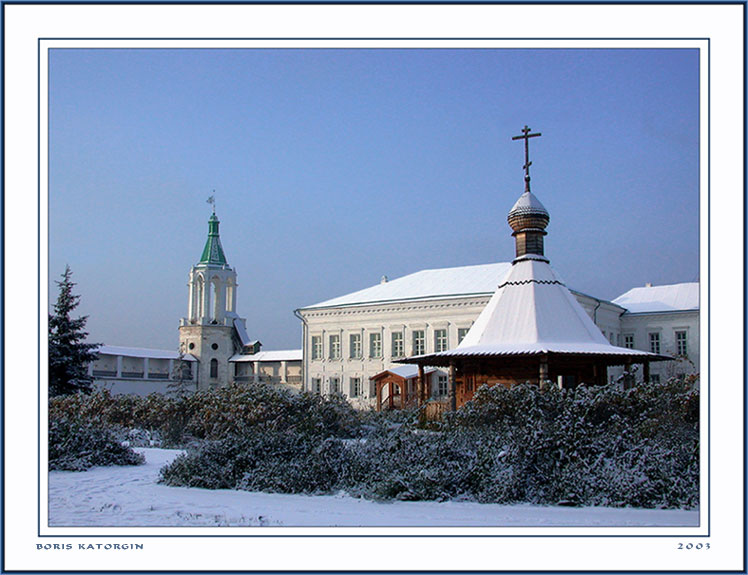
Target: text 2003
(693,546)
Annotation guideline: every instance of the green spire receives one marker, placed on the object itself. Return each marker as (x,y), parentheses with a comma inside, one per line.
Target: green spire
(213,252)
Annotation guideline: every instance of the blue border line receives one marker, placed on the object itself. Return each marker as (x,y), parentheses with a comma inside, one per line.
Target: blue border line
(618,536)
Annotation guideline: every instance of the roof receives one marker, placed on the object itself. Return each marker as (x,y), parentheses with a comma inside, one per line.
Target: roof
(528,204)
(532,312)
(666,298)
(143,352)
(276,355)
(242,332)
(404,371)
(213,251)
(428,284)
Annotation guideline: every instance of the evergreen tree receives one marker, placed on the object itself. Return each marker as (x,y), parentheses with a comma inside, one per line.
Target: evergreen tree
(69,355)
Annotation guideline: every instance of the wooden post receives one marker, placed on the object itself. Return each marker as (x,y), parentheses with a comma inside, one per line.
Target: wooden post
(646,372)
(421,386)
(543,372)
(452,387)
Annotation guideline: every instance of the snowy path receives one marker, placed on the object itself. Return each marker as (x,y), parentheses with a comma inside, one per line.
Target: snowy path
(130,496)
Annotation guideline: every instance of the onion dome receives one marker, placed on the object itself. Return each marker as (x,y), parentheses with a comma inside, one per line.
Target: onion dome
(528,218)
(528,212)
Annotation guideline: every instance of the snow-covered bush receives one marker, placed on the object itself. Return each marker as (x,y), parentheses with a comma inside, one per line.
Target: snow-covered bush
(77,447)
(271,460)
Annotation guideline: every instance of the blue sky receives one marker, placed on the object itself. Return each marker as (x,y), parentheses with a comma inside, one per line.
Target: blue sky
(334,167)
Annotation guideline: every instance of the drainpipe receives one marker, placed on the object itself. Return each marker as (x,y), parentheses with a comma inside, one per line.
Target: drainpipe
(594,312)
(304,358)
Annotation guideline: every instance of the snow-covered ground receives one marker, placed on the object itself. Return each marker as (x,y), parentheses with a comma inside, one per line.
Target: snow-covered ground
(130,496)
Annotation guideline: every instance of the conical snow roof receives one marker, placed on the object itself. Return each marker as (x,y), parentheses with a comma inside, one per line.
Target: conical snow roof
(533,313)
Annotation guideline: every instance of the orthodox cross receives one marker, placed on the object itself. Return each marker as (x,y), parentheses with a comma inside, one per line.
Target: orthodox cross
(526,135)
(212,201)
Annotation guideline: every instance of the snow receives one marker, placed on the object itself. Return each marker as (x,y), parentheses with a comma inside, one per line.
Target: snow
(428,284)
(665,298)
(241,331)
(130,496)
(270,355)
(142,352)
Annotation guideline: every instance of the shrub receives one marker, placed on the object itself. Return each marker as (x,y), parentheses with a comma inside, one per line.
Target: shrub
(76,447)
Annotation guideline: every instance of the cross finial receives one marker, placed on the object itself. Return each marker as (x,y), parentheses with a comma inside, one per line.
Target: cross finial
(526,135)
(212,201)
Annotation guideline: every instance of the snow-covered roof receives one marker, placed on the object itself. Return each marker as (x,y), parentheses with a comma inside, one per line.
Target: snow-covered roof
(428,284)
(276,355)
(532,312)
(666,298)
(405,371)
(528,204)
(241,332)
(143,352)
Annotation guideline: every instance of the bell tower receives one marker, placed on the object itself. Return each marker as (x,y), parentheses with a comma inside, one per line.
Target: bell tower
(209,330)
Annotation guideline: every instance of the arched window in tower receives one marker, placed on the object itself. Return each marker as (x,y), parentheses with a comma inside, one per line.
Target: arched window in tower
(215,299)
(214,368)
(230,295)
(200,295)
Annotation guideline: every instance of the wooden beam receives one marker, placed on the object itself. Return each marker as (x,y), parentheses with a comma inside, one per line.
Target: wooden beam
(452,387)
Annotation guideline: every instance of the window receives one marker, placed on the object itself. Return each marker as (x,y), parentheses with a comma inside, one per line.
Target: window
(628,341)
(443,386)
(461,333)
(213,368)
(316,385)
(440,340)
(375,345)
(335,346)
(355,387)
(419,342)
(355,345)
(397,344)
(334,385)
(654,378)
(612,338)
(681,343)
(316,347)
(654,342)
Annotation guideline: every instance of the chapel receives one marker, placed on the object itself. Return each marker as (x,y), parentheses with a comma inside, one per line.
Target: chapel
(532,329)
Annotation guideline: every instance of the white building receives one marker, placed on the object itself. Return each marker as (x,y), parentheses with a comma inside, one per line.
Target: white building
(350,339)
(213,340)
(353,338)
(663,319)
(141,371)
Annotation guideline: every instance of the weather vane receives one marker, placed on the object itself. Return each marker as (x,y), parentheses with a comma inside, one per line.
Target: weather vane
(212,201)
(526,135)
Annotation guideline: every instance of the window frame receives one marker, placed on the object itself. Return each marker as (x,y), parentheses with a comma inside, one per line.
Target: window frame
(356,346)
(375,352)
(317,349)
(681,343)
(441,340)
(419,341)
(655,342)
(334,341)
(399,349)
(356,387)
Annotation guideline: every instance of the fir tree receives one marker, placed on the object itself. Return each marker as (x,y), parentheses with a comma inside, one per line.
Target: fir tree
(69,355)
